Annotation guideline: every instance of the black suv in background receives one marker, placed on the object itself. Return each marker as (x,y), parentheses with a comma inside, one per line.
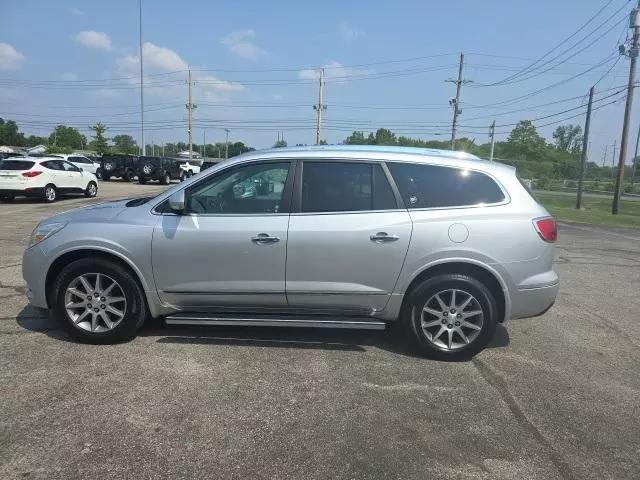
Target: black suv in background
(122,166)
(158,168)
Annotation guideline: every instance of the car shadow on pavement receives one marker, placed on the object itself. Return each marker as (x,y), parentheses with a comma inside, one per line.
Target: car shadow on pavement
(392,340)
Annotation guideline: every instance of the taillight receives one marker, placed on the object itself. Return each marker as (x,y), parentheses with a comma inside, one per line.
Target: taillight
(547,228)
(31,174)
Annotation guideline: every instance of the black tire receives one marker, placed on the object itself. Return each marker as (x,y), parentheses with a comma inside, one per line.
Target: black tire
(136,309)
(127,176)
(99,174)
(183,176)
(411,316)
(7,198)
(91,192)
(165,179)
(189,174)
(142,180)
(50,193)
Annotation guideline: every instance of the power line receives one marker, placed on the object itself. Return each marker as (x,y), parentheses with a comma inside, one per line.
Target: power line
(529,67)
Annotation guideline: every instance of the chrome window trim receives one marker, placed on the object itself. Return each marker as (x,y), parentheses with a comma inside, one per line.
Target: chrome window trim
(383,161)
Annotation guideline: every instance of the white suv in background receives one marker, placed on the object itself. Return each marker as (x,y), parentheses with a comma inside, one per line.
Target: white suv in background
(80,161)
(43,177)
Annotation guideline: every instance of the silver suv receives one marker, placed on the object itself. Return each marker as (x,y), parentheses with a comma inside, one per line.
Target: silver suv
(443,243)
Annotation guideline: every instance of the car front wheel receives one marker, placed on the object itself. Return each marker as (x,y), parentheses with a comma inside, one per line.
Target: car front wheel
(98,301)
(450,317)
(92,190)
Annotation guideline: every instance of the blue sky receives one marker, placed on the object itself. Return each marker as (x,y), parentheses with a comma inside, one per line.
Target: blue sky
(253,66)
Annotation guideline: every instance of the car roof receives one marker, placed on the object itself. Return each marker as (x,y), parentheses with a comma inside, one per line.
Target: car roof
(380,152)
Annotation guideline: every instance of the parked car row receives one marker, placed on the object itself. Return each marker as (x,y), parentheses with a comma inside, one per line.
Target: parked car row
(47,176)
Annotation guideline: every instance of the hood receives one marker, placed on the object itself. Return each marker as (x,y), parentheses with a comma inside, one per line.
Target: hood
(99,212)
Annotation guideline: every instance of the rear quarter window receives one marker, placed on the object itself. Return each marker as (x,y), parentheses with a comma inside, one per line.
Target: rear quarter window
(434,186)
(16,165)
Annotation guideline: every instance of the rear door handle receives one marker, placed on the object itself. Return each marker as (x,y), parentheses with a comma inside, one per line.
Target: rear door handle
(382,237)
(264,238)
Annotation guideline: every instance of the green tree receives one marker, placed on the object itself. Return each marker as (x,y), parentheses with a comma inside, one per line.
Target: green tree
(10,134)
(125,144)
(568,138)
(524,141)
(67,137)
(356,138)
(99,142)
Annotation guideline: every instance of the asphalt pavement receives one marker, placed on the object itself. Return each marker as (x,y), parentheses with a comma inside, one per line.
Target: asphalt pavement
(554,397)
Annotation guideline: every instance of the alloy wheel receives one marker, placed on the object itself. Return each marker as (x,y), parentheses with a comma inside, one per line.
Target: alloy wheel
(95,302)
(452,319)
(50,194)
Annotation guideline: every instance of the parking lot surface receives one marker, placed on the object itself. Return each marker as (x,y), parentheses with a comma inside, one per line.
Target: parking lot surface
(554,397)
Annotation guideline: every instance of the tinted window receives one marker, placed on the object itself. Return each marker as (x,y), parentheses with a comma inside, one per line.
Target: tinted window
(429,186)
(52,165)
(79,160)
(256,188)
(16,165)
(345,187)
(69,167)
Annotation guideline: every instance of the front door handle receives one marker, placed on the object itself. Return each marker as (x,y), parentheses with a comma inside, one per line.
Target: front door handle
(264,238)
(382,237)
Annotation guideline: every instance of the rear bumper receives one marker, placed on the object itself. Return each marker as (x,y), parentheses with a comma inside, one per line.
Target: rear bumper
(25,192)
(533,302)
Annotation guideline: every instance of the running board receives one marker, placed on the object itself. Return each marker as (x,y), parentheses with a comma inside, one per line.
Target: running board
(364,323)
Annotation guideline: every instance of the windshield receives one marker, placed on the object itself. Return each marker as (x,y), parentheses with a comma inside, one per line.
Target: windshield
(16,165)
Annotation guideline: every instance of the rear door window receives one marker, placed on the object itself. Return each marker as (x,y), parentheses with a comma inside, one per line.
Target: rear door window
(434,186)
(345,187)
(16,165)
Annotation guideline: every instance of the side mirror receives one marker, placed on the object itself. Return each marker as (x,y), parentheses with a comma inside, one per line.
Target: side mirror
(176,201)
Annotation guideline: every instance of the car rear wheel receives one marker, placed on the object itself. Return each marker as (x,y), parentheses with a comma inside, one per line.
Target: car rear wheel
(91,190)
(98,301)
(50,194)
(127,176)
(165,179)
(99,174)
(450,317)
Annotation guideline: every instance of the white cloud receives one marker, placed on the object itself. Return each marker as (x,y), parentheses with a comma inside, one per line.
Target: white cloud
(69,77)
(10,58)
(93,39)
(76,12)
(242,44)
(163,60)
(333,70)
(348,33)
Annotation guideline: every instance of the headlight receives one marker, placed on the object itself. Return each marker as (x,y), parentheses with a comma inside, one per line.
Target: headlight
(42,232)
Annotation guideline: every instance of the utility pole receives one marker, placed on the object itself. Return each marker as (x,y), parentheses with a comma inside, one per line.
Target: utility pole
(163,149)
(492,135)
(604,155)
(634,23)
(190,106)
(144,150)
(635,158)
(455,102)
(226,144)
(319,107)
(585,146)
(613,158)
(204,143)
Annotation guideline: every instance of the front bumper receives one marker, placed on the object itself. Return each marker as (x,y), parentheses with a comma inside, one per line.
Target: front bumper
(34,271)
